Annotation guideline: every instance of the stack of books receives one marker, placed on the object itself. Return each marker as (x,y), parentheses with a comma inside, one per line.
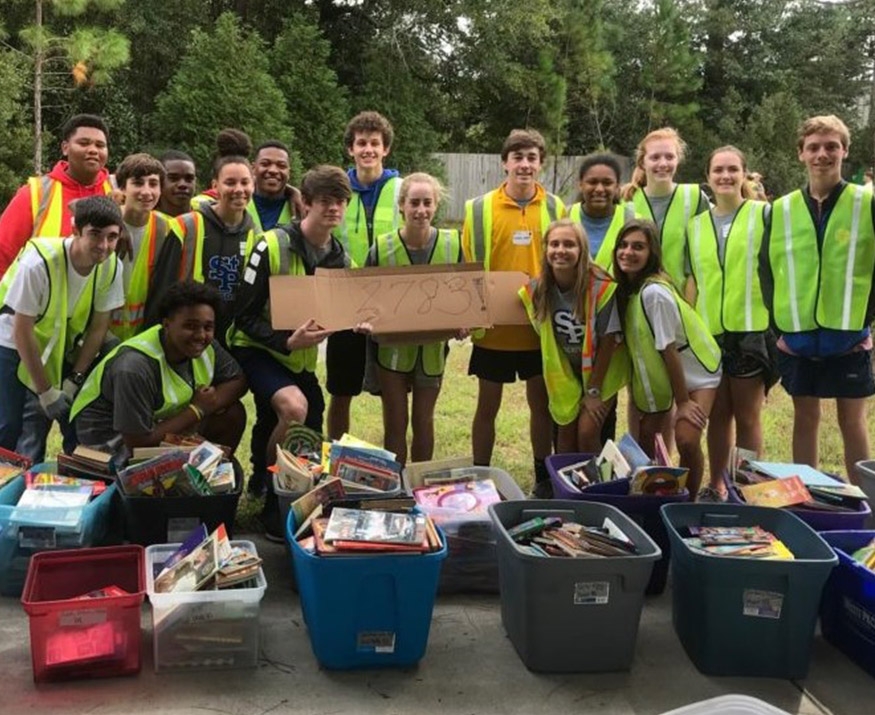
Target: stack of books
(189,470)
(87,463)
(752,542)
(557,537)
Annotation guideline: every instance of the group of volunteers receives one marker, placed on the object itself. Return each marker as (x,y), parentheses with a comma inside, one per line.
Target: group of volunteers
(134,307)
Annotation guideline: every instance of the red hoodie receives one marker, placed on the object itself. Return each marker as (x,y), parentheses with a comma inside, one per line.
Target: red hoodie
(16,223)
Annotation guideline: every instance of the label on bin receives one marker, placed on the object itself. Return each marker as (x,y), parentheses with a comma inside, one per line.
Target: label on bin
(860,617)
(762,604)
(37,537)
(592,593)
(376,641)
(178,527)
(82,618)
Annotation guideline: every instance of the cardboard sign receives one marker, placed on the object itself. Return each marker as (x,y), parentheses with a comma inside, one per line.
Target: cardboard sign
(409,299)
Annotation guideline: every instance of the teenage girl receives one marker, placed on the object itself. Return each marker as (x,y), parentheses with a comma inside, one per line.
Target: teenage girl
(415,368)
(723,245)
(674,358)
(572,308)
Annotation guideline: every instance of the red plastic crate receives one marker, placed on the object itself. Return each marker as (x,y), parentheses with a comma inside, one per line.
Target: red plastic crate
(91,637)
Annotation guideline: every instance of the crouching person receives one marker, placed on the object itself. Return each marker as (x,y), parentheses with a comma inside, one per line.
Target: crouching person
(172,378)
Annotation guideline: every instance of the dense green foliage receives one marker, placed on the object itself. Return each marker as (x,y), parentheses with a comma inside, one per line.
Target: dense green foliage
(452,76)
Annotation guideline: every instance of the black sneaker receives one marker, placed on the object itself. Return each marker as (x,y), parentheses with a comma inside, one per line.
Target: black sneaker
(542,490)
(271,520)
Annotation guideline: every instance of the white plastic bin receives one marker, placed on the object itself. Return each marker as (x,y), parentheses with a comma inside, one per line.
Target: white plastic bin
(203,630)
(729,705)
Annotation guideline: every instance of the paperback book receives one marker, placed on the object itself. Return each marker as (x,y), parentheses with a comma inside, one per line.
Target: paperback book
(377,526)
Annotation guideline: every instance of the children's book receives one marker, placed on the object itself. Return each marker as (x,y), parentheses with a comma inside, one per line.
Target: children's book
(378,526)
(321,494)
(658,480)
(631,450)
(808,474)
(611,453)
(465,497)
(776,493)
(417,474)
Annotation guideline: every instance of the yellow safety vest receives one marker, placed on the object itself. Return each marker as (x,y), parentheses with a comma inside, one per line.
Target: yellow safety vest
(285,217)
(283,262)
(651,387)
(56,334)
(392,252)
(729,296)
(47,205)
(827,286)
(127,321)
(622,213)
(564,388)
(176,392)
(353,232)
(682,207)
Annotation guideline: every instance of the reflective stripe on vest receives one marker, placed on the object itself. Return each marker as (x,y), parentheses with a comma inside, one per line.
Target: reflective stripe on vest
(127,321)
(282,262)
(680,209)
(605,257)
(391,251)
(190,229)
(564,388)
(478,215)
(47,205)
(56,334)
(823,286)
(729,295)
(176,392)
(353,232)
(651,387)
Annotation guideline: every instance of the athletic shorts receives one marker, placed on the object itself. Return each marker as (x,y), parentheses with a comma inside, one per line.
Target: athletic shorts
(266,376)
(748,355)
(345,363)
(844,376)
(504,365)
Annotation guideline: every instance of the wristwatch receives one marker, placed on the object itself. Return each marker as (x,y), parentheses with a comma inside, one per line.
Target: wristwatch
(78,378)
(593,392)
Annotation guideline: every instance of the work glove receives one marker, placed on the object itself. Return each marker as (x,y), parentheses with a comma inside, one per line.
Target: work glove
(55,403)
(70,388)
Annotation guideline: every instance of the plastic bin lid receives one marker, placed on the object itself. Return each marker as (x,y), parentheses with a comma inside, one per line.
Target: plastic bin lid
(728,705)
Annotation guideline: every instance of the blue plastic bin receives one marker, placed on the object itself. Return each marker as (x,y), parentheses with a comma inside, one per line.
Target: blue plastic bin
(17,543)
(366,611)
(817,519)
(847,610)
(740,616)
(642,509)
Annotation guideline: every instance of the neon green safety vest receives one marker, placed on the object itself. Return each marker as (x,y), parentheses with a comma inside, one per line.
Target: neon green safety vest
(729,295)
(826,287)
(47,205)
(127,321)
(564,388)
(478,215)
(176,392)
(392,252)
(622,213)
(681,208)
(56,334)
(353,232)
(286,215)
(283,262)
(651,387)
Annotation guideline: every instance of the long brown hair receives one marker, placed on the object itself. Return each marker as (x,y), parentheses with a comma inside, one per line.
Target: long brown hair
(626,286)
(746,191)
(587,270)
(639,177)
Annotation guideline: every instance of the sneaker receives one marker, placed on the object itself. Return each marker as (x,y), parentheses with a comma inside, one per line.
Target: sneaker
(257,485)
(542,490)
(711,495)
(271,520)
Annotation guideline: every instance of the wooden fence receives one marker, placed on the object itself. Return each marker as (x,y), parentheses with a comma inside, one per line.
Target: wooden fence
(469,175)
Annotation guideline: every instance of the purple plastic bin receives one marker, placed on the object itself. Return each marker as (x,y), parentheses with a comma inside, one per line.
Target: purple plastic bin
(815,518)
(643,509)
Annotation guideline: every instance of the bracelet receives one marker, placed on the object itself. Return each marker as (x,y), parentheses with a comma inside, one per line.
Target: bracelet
(198,412)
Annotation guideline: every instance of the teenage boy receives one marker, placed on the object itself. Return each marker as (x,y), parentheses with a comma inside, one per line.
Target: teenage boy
(41,208)
(179,185)
(503,229)
(281,364)
(372,211)
(817,264)
(56,302)
(139,178)
(172,378)
(274,202)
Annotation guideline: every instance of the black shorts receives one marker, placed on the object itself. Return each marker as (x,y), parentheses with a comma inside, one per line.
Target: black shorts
(841,376)
(504,365)
(266,376)
(345,363)
(748,355)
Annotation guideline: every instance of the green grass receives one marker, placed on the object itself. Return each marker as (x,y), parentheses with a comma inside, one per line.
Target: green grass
(455,409)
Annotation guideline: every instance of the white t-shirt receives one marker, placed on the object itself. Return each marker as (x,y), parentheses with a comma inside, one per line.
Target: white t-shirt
(665,319)
(136,233)
(29,292)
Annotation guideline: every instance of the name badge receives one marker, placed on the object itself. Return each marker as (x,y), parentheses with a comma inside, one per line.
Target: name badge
(522,238)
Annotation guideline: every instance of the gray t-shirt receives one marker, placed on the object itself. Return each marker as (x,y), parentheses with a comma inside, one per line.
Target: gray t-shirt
(569,331)
(133,382)
(722,226)
(315,254)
